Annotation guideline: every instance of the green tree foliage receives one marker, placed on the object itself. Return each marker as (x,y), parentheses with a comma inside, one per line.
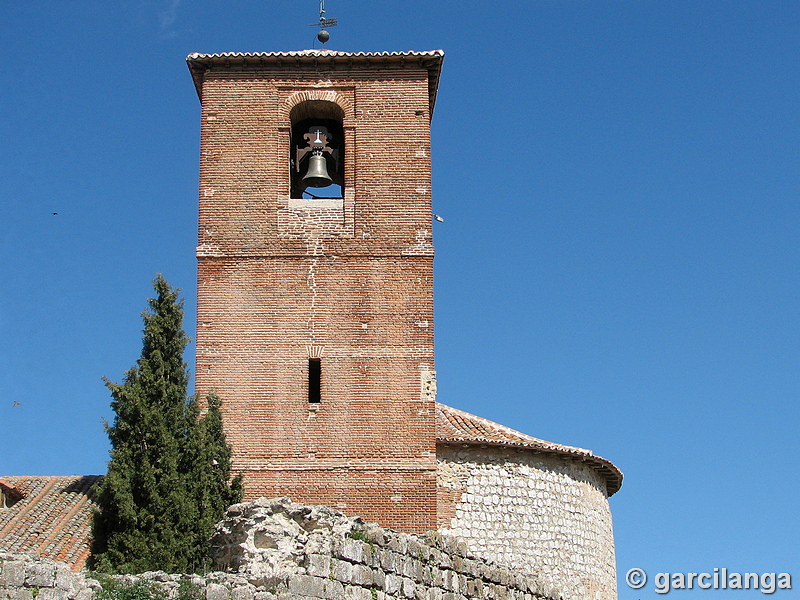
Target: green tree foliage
(167,482)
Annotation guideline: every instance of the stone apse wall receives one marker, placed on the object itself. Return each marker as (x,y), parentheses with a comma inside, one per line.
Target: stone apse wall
(532,512)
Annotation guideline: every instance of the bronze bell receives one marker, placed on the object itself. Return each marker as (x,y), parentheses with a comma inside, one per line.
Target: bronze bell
(317,175)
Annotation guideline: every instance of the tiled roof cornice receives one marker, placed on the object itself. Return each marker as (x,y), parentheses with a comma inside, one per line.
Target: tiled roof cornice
(455,426)
(200,64)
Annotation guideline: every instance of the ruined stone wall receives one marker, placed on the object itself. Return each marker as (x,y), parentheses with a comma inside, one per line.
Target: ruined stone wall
(532,512)
(279,550)
(28,577)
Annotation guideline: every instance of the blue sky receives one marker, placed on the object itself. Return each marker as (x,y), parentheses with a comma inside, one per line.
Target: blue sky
(617,269)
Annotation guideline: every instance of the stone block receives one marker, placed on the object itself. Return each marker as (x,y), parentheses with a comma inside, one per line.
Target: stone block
(388,561)
(393,584)
(354,592)
(413,569)
(414,548)
(84,594)
(342,570)
(366,553)
(458,564)
(377,536)
(434,593)
(352,550)
(447,580)
(290,596)
(421,593)
(501,593)
(362,575)
(408,587)
(65,580)
(470,567)
(20,594)
(52,594)
(373,558)
(399,543)
(474,588)
(379,578)
(319,565)
(215,591)
(334,590)
(437,576)
(40,574)
(242,593)
(306,585)
(14,572)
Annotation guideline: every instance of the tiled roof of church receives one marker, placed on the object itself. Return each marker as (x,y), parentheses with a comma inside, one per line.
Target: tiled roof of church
(52,518)
(455,426)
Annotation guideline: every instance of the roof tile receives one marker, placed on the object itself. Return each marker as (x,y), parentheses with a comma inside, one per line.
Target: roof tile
(457,426)
(53,519)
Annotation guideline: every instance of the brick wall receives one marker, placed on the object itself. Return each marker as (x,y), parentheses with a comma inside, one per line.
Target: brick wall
(346,280)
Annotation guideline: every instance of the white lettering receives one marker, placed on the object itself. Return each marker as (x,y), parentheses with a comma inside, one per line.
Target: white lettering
(678,581)
(662,583)
(785,581)
(705,576)
(767,583)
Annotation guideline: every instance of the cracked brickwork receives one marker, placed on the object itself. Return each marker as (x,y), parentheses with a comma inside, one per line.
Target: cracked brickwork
(349,277)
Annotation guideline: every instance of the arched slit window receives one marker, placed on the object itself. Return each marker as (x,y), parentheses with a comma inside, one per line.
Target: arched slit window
(317,160)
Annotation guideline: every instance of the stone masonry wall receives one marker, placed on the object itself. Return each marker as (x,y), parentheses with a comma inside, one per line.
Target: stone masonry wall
(532,512)
(279,550)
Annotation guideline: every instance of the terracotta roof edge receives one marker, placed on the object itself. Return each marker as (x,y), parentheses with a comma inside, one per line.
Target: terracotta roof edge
(514,432)
(612,474)
(315,52)
(431,60)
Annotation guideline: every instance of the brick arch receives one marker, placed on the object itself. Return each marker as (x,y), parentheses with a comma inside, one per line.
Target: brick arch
(317,95)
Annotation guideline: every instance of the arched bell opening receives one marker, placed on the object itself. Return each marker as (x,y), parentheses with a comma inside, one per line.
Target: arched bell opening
(317,159)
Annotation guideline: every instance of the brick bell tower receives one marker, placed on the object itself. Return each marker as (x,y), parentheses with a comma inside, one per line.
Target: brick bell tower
(315,275)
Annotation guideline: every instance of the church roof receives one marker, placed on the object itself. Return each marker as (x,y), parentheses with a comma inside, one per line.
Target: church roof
(455,426)
(431,60)
(50,516)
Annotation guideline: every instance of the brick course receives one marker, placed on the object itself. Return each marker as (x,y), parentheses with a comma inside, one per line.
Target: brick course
(347,280)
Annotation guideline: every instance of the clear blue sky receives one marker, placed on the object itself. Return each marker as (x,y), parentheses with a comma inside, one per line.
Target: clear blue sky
(617,269)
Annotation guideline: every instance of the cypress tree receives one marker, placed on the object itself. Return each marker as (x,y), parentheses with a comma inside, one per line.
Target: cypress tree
(152,513)
(208,460)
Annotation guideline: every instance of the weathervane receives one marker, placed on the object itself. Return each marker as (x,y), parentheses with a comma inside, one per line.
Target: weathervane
(323,36)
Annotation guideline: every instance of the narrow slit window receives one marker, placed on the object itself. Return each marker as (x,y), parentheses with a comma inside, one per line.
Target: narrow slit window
(314,379)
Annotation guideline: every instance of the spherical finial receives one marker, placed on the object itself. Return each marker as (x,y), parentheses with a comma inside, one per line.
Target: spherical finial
(323,36)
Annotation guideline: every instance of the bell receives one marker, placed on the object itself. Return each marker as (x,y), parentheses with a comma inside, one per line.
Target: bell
(317,175)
